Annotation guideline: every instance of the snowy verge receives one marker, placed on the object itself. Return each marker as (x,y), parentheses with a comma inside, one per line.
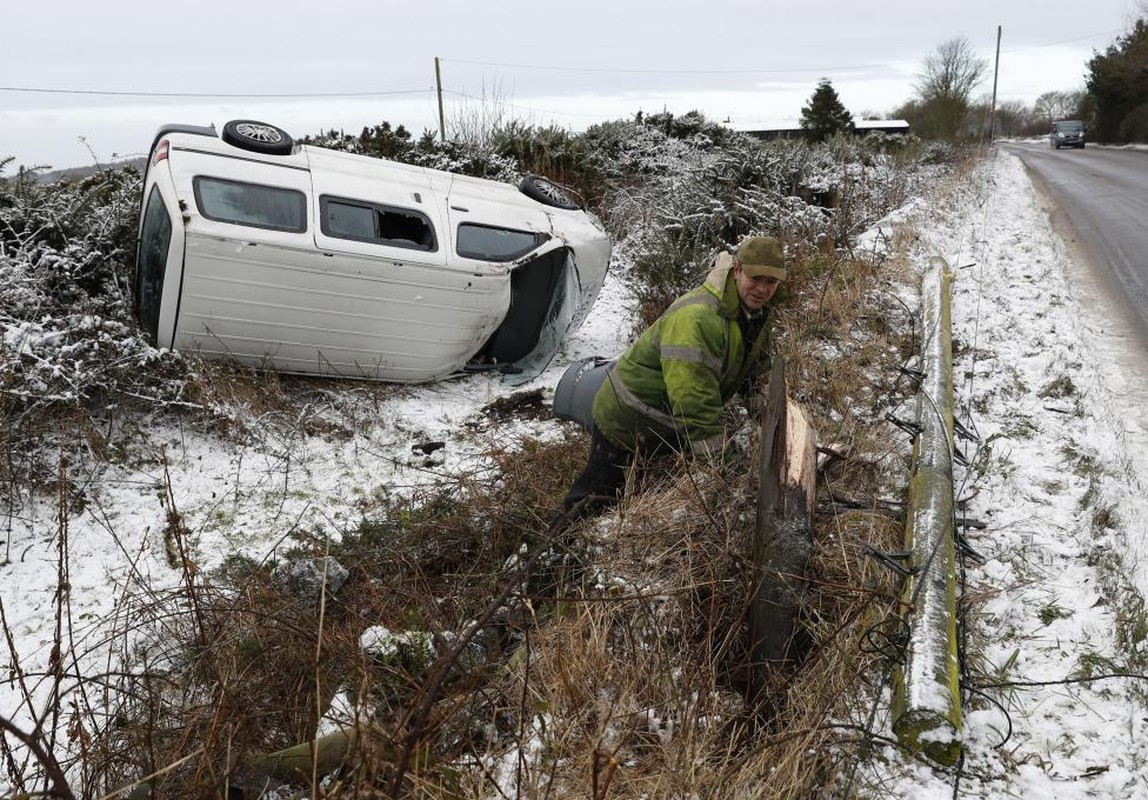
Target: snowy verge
(1052,475)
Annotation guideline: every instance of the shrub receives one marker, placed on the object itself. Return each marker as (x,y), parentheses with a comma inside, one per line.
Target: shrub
(68,346)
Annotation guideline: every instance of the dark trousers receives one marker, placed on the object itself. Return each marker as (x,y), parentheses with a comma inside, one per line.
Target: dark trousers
(603,478)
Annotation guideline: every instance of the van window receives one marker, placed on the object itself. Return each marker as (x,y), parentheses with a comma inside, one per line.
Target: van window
(490,243)
(371,222)
(251,204)
(155,241)
(347,221)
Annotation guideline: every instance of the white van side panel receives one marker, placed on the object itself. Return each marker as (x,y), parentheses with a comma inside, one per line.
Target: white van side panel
(386,183)
(334,314)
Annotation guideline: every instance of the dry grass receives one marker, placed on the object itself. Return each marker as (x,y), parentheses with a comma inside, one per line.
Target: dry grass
(641,684)
(618,672)
(614,669)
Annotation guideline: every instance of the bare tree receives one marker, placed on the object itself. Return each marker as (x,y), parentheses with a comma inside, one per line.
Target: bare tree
(1059,105)
(945,84)
(1047,106)
(1012,116)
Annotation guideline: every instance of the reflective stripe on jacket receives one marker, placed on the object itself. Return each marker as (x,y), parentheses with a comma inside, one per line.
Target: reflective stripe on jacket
(673,382)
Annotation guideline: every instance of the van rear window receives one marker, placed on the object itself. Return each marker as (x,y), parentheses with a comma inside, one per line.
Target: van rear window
(490,243)
(371,222)
(252,204)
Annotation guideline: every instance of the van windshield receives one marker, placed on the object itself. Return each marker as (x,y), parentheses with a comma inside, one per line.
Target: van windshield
(1070,127)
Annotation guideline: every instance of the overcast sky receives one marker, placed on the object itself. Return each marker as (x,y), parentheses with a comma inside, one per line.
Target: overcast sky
(86,79)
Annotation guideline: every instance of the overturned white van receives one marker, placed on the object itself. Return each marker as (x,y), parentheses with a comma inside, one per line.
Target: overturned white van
(306,260)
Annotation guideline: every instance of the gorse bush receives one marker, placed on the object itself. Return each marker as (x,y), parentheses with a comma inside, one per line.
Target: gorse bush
(700,199)
(68,345)
(692,127)
(379,141)
(551,151)
(456,155)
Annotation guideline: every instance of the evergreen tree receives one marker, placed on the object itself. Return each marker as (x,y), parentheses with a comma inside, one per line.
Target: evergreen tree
(1118,83)
(824,114)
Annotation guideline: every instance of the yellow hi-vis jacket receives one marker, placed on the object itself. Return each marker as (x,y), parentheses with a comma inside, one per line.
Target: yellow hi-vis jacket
(671,385)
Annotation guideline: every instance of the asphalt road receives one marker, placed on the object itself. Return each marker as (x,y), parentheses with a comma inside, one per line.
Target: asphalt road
(1098,201)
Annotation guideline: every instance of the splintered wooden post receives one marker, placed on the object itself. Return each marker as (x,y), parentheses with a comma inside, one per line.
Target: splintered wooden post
(926,696)
(783,537)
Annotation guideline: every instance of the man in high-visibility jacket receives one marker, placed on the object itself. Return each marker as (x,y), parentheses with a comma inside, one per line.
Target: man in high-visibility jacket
(668,390)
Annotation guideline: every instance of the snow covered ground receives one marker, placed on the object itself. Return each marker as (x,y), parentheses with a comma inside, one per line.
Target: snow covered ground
(1054,480)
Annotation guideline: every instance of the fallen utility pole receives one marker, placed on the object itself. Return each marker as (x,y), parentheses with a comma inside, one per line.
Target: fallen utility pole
(926,690)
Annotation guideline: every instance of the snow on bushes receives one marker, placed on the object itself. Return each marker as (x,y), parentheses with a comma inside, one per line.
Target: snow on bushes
(672,191)
(68,345)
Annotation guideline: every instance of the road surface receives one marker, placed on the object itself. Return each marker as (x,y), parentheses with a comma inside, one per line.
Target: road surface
(1098,201)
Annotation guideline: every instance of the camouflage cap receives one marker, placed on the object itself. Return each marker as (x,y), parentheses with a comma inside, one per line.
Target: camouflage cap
(762,257)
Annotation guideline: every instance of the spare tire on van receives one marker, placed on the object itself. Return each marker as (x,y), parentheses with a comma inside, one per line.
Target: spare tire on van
(574,395)
(258,137)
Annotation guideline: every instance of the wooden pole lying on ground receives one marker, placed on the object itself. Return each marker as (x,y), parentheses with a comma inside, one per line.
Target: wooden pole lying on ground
(783,538)
(926,696)
(324,755)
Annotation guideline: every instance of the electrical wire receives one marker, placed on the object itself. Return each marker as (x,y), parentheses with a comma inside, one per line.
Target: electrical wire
(209,95)
(517,106)
(636,71)
(1062,41)
(513,65)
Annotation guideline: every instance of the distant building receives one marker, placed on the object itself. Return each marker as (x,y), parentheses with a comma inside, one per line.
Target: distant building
(791,129)
(897,127)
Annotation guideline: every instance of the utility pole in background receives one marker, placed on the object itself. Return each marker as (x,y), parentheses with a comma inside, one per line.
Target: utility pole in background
(993,110)
(438,83)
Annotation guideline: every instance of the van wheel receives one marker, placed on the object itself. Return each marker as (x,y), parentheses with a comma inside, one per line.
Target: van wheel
(546,192)
(258,137)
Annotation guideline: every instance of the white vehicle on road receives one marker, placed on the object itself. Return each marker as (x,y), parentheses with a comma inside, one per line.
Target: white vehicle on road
(307,260)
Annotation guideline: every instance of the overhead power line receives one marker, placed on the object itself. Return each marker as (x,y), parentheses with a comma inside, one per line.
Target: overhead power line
(621,71)
(1062,41)
(206,95)
(755,71)
(520,107)
(503,65)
